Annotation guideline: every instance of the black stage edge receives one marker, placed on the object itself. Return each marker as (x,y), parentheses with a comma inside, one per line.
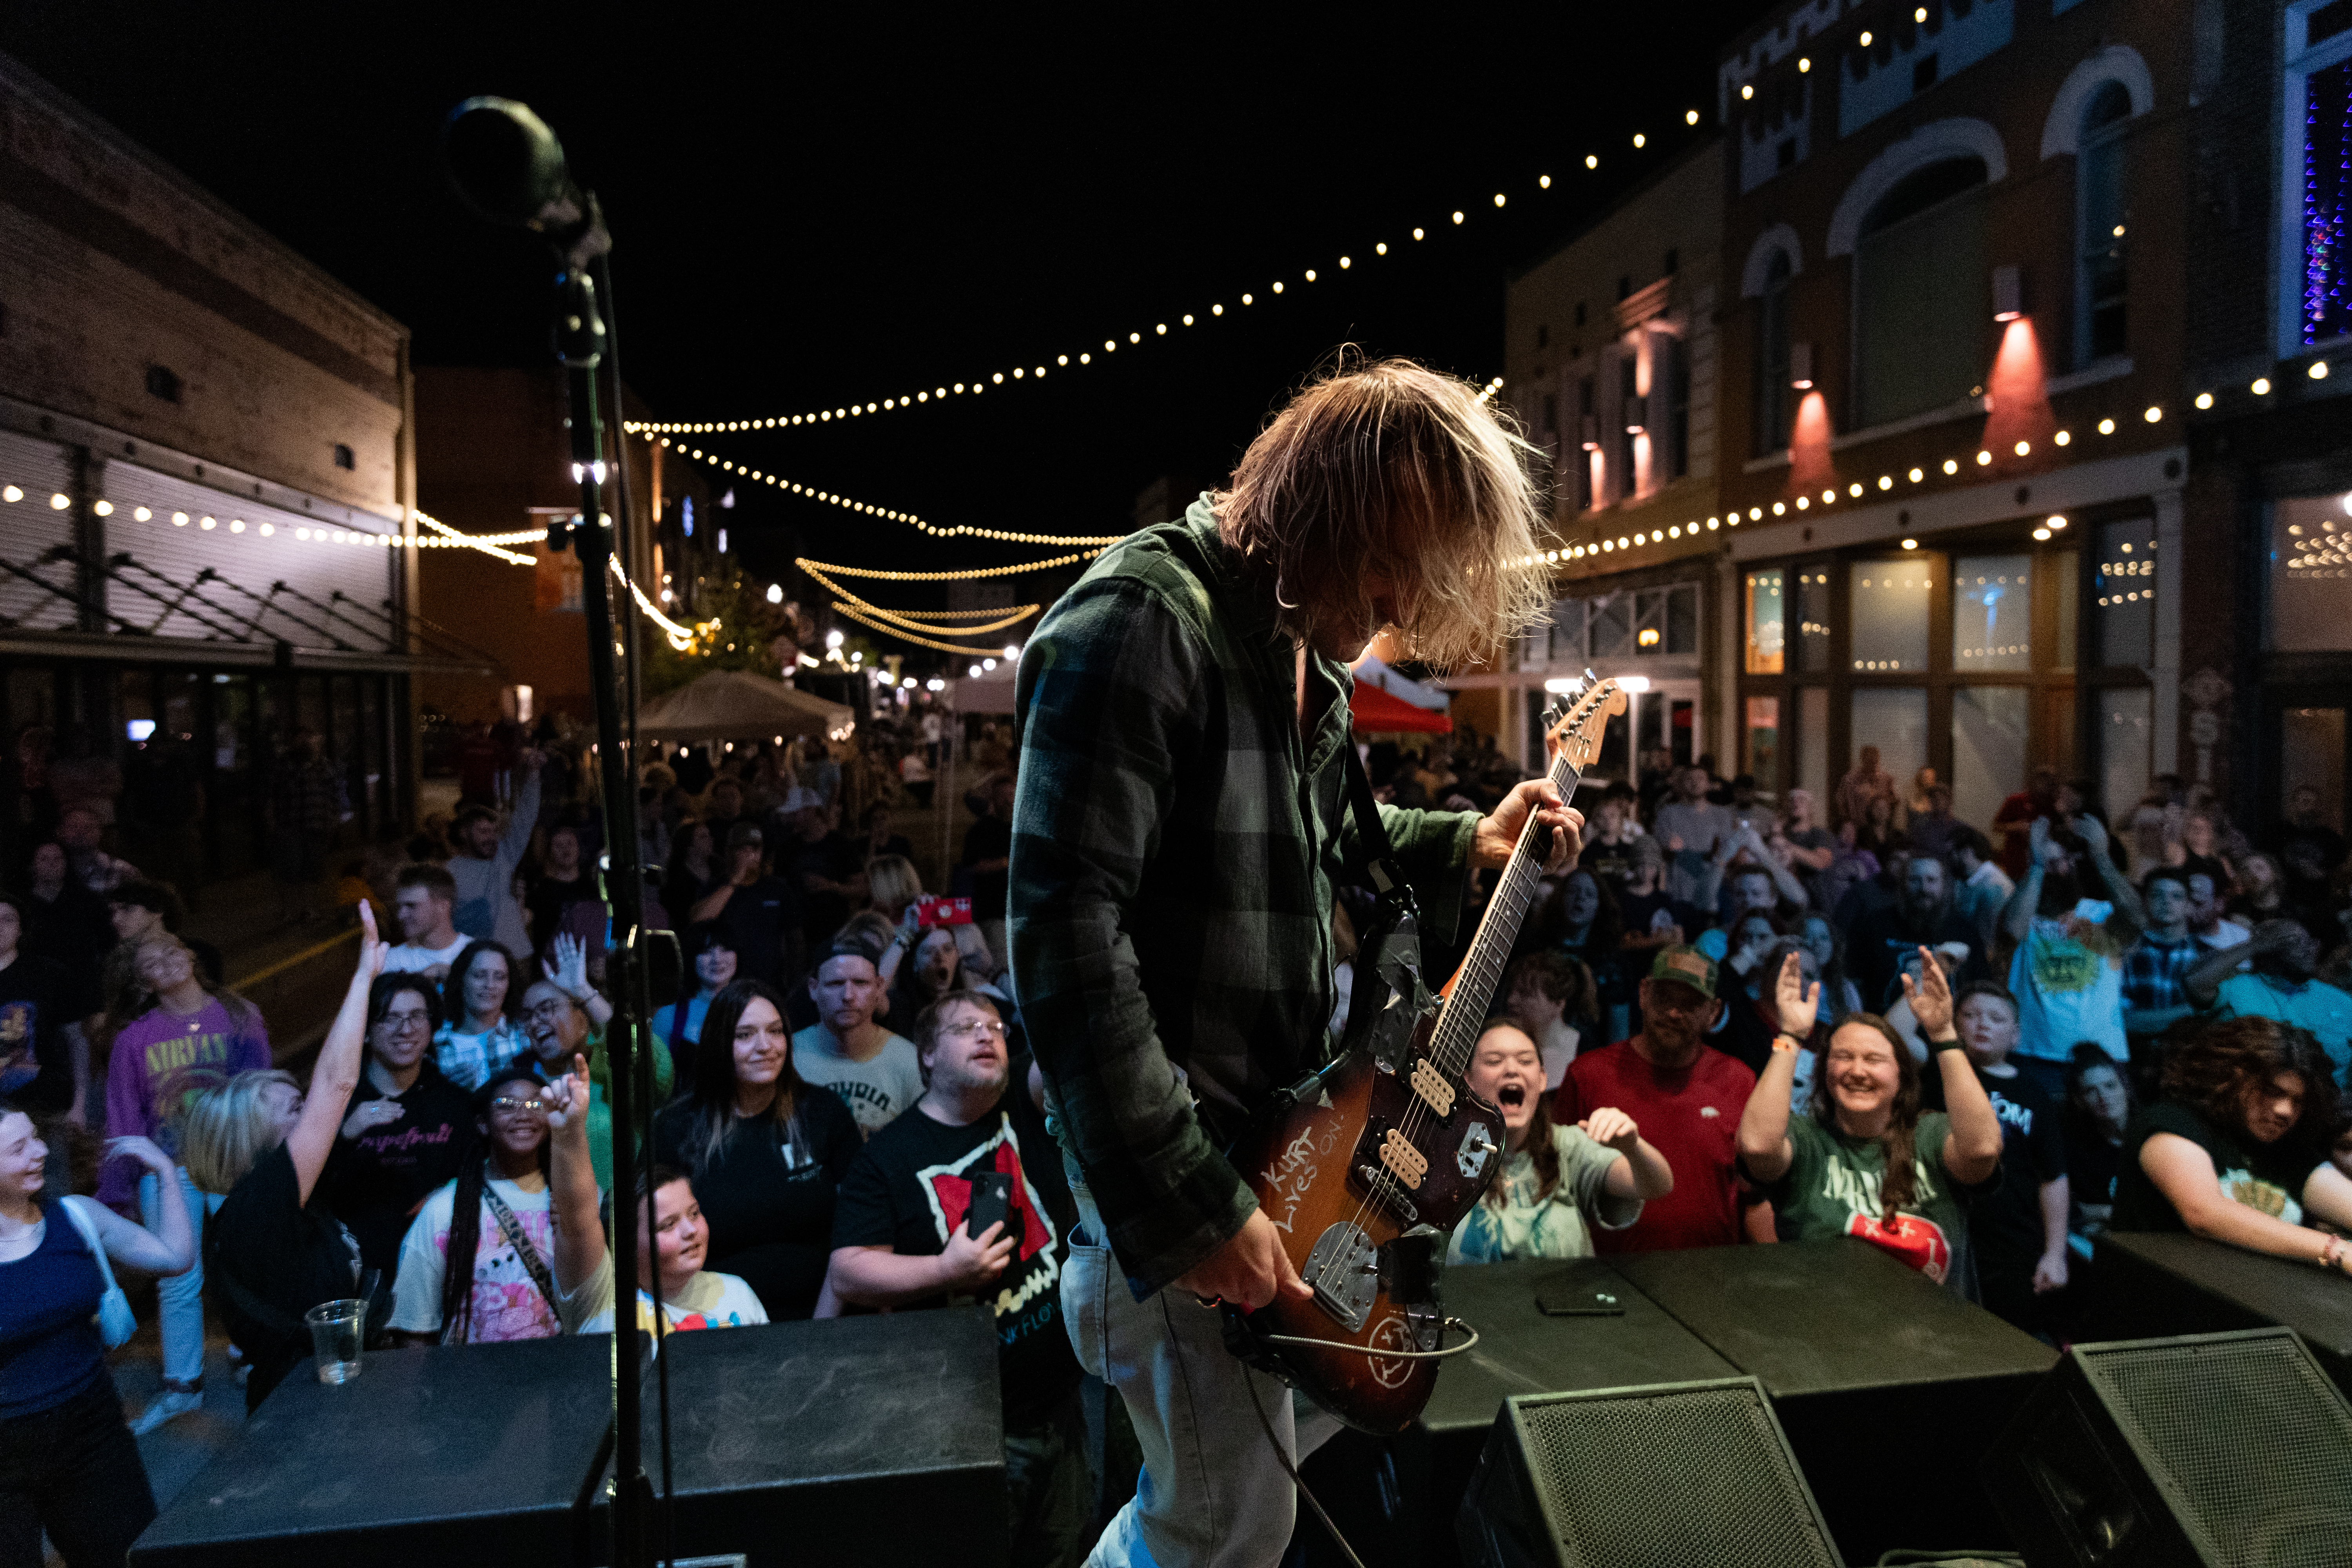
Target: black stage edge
(869,1441)
(474,1453)
(1890,1388)
(1397,1498)
(2150,1286)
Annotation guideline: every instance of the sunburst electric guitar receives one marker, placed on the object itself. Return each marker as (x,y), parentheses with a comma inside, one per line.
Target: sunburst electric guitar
(1369,1165)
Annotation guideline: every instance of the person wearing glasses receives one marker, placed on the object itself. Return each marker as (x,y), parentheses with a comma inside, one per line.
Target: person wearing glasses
(406,1126)
(955,1202)
(499,1213)
(765,1150)
(564,1016)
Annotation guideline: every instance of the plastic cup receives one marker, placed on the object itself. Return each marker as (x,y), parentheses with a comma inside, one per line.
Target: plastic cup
(336,1333)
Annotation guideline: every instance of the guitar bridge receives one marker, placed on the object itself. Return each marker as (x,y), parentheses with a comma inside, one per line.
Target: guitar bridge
(1383,1189)
(1343,1270)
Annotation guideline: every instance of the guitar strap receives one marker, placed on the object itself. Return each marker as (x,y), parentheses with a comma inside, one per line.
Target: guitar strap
(1388,961)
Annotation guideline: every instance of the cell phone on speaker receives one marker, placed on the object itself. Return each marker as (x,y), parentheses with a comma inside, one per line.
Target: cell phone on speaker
(1575,1302)
(992,1201)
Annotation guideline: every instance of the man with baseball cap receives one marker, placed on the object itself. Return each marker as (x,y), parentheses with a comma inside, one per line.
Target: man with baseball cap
(1685,1095)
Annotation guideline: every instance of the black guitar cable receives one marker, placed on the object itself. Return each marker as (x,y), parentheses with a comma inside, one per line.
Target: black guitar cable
(1290,1468)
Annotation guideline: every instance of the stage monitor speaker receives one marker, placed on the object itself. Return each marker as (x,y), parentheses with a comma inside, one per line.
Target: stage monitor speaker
(1693,1474)
(2206,1449)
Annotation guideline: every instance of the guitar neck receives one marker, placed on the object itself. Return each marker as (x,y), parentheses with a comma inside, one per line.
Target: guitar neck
(1472,989)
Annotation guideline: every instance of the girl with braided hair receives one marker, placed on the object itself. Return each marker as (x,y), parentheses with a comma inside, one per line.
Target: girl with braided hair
(1868,1163)
(496,1219)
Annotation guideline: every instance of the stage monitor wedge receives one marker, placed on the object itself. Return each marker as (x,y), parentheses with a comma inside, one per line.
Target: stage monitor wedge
(1697,1474)
(2204,1449)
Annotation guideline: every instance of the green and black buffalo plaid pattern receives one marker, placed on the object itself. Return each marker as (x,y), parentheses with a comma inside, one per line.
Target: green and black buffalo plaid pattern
(1175,844)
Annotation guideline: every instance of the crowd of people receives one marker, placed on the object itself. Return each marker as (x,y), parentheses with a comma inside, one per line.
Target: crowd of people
(1730,1021)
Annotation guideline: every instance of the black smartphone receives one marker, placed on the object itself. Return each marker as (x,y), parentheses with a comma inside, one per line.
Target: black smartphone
(1571,1301)
(992,1200)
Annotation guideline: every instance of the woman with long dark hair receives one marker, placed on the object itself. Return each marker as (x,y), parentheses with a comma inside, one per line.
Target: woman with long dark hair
(479,1034)
(497,1212)
(1557,1183)
(1868,1162)
(2236,1148)
(765,1151)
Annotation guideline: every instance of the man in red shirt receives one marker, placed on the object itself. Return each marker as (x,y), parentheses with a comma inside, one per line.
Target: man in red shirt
(1687,1098)
(2015,820)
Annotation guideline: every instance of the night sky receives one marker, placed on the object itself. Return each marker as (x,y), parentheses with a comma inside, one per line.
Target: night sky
(809,213)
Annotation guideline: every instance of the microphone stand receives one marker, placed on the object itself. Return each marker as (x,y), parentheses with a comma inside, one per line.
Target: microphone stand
(579,342)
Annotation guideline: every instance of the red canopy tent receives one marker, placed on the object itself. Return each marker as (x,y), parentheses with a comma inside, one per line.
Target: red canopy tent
(1377,712)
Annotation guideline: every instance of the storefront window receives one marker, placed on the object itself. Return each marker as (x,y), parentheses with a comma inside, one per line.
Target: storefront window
(1766,623)
(1763,753)
(2124,595)
(1609,628)
(1894,720)
(1992,613)
(2311,574)
(2066,569)
(1814,747)
(1813,620)
(1988,733)
(2125,733)
(1890,615)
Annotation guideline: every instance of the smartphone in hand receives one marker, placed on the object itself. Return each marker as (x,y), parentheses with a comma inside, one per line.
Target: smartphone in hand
(992,1200)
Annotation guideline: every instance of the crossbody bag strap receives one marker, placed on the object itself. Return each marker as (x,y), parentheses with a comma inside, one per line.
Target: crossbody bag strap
(511,1228)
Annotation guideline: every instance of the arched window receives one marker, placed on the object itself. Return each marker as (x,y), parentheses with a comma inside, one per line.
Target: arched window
(1773,411)
(1921,308)
(2102,226)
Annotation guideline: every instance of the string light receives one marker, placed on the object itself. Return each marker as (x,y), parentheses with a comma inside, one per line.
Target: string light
(960,531)
(969,575)
(911,626)
(942,392)
(680,637)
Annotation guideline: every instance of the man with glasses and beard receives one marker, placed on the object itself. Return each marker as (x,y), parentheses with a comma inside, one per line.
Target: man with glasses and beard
(1685,1095)
(954,1202)
(2068,974)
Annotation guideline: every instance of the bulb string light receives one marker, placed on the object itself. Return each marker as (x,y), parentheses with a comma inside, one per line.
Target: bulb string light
(1973,462)
(867,508)
(680,637)
(867,619)
(1037,368)
(912,626)
(967,574)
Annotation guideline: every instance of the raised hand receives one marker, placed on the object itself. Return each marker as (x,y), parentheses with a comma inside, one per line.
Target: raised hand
(142,1150)
(1611,1127)
(372,950)
(2094,832)
(1796,1002)
(1930,999)
(566,1099)
(568,965)
(2038,836)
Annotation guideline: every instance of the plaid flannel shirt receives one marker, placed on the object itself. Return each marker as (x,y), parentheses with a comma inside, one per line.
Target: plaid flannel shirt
(2154,969)
(1175,845)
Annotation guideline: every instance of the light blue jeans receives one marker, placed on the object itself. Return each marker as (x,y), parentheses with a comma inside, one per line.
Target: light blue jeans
(181,1297)
(1213,1494)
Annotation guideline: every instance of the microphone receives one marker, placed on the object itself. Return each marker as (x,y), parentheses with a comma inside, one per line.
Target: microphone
(507,166)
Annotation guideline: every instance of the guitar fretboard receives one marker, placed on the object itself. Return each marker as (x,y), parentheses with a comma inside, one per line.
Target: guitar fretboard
(1457,1036)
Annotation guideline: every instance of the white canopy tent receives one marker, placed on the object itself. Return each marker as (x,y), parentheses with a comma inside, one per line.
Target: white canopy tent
(735,705)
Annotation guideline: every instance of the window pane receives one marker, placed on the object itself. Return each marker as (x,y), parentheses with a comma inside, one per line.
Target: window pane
(1987,749)
(2064,570)
(2124,734)
(1813,620)
(1922,319)
(2311,576)
(1568,634)
(1763,750)
(1609,627)
(1894,720)
(1649,621)
(2124,593)
(2327,305)
(1890,615)
(1766,623)
(2311,752)
(1814,747)
(1682,619)
(1992,613)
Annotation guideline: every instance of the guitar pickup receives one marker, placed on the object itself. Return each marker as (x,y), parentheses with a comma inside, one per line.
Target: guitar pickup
(1409,1163)
(1431,1086)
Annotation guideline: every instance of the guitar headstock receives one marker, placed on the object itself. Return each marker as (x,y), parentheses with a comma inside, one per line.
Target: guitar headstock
(1576,733)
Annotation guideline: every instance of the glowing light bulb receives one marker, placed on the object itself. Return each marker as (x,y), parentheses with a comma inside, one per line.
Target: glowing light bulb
(1916,476)
(2023,447)
(1417,233)
(2153,414)
(1690,117)
(1457,217)
(1864,40)
(1804,65)
(2318,370)
(2106,427)
(1592,161)
(1747,91)
(2204,400)
(2064,438)
(1543,182)
(1498,198)
(2262,387)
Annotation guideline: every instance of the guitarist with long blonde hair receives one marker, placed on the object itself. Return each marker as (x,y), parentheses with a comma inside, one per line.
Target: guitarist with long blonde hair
(1181,816)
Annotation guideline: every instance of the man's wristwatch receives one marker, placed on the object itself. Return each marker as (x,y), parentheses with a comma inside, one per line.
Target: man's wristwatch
(1953,1044)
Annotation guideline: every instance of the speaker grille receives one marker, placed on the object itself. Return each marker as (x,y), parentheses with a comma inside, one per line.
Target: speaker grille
(1696,1478)
(2250,1440)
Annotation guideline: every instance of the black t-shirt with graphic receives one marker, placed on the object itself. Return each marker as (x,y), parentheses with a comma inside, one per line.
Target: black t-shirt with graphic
(2007,1219)
(769,1200)
(375,1181)
(2268,1177)
(36,1066)
(912,1185)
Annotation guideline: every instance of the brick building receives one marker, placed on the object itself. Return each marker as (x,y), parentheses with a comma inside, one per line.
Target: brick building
(205,473)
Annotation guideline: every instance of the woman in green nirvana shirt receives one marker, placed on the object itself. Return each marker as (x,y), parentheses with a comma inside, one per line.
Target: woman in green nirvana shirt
(1867,1163)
